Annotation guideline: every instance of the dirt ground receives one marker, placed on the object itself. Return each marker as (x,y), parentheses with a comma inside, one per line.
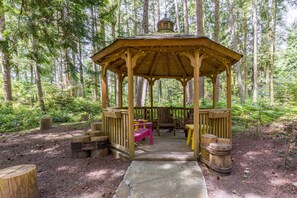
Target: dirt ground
(59,175)
(264,164)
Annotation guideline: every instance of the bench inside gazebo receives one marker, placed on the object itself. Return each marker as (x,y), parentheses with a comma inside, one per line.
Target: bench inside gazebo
(165,55)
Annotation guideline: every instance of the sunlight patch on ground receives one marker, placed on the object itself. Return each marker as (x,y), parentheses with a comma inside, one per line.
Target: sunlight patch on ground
(97,174)
(278,181)
(166,166)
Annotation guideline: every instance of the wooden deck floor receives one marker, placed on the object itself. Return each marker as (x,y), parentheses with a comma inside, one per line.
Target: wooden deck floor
(165,148)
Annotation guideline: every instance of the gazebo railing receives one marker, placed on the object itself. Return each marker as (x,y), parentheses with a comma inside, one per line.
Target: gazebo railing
(212,121)
(115,126)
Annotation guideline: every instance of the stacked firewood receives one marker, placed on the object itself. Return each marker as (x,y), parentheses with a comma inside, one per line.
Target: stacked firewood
(93,143)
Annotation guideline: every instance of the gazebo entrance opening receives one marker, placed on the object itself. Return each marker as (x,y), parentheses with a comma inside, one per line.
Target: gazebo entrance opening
(169,55)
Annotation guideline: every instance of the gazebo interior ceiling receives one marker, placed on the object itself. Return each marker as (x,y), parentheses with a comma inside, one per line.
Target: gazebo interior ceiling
(164,56)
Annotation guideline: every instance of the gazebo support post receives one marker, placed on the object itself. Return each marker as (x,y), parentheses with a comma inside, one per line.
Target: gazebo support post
(130,104)
(103,86)
(184,82)
(130,63)
(196,60)
(214,91)
(151,83)
(228,72)
(120,87)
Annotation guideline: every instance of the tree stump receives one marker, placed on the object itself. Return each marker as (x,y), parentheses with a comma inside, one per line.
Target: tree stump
(96,126)
(19,181)
(45,123)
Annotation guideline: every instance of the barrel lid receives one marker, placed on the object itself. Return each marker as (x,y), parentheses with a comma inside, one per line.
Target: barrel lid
(220,146)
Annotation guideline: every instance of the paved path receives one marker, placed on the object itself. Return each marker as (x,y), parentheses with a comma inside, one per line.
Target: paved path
(162,179)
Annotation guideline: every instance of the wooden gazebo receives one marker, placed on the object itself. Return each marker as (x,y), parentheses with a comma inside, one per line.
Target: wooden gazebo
(167,55)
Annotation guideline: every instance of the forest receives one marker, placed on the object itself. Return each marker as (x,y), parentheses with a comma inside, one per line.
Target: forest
(46,69)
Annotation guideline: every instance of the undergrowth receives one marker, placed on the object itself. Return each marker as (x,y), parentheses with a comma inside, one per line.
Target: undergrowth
(16,116)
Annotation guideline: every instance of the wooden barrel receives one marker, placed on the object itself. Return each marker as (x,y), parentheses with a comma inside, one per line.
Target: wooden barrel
(224,140)
(77,146)
(206,139)
(220,157)
(96,126)
(19,181)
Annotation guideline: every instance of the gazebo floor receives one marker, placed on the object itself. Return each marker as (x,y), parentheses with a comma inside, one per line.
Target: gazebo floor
(165,148)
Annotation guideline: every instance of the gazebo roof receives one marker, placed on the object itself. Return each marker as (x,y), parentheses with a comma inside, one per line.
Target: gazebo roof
(164,55)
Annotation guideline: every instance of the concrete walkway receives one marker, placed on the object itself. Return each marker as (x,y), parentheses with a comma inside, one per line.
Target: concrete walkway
(157,179)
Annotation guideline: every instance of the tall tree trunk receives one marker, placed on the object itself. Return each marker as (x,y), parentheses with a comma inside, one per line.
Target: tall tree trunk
(234,47)
(199,32)
(39,87)
(95,70)
(159,90)
(177,16)
(145,27)
(134,18)
(119,30)
(186,18)
(274,9)
(141,84)
(255,66)
(244,60)
(216,38)
(127,18)
(6,68)
(199,17)
(81,72)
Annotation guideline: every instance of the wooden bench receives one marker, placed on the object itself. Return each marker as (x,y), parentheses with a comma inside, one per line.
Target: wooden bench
(144,130)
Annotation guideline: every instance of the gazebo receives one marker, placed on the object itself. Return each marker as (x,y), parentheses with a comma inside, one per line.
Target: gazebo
(164,55)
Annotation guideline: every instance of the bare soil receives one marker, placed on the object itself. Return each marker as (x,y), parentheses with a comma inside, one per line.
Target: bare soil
(58,174)
(264,164)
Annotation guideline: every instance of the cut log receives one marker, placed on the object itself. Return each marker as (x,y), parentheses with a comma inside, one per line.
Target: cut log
(80,154)
(99,138)
(45,123)
(96,133)
(80,138)
(206,139)
(96,126)
(77,145)
(220,157)
(99,153)
(19,181)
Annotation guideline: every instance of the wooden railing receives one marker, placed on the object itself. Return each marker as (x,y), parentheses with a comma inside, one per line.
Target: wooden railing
(212,121)
(115,126)
(218,124)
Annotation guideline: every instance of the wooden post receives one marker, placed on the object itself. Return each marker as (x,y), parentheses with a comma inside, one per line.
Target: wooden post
(214,91)
(196,102)
(196,60)
(151,83)
(184,102)
(103,86)
(130,63)
(120,93)
(228,88)
(130,103)
(228,72)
